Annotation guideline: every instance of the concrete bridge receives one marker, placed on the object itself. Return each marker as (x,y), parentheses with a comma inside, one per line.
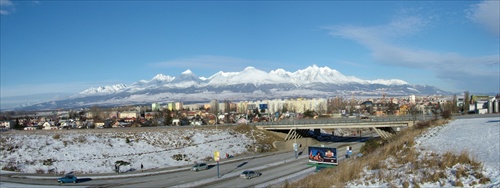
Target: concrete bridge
(384,127)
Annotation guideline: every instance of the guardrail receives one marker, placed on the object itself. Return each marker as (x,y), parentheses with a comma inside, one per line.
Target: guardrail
(333,121)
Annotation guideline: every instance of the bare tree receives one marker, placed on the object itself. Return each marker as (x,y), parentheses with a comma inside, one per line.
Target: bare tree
(466,102)
(96,112)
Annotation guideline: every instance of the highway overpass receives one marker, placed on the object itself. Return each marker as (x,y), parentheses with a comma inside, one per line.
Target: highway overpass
(384,127)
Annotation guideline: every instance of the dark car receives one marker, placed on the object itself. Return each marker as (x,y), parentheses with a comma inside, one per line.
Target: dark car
(249,174)
(199,166)
(68,178)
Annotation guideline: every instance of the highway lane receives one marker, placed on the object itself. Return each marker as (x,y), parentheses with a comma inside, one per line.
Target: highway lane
(287,170)
(227,169)
(272,165)
(268,174)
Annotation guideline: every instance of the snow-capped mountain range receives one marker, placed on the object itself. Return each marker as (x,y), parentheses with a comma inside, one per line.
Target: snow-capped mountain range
(250,75)
(248,84)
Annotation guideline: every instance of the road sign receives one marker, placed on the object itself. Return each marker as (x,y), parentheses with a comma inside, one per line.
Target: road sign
(216,156)
(295,146)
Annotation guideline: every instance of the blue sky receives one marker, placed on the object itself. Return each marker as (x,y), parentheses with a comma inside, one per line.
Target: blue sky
(70,46)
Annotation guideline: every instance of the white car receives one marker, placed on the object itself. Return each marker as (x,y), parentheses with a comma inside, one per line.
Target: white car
(249,174)
(199,166)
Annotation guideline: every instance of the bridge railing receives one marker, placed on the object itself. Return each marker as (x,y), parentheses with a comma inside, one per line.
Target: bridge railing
(333,121)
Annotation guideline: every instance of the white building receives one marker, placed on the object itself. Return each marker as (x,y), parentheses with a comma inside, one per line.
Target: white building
(5,125)
(128,114)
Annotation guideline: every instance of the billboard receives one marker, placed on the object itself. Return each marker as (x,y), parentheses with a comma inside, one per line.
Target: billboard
(263,106)
(323,155)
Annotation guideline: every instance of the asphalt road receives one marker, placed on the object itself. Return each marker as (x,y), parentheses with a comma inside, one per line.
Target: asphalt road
(272,166)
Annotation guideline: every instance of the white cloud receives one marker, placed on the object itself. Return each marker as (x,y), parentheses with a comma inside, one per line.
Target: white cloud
(462,71)
(487,13)
(7,7)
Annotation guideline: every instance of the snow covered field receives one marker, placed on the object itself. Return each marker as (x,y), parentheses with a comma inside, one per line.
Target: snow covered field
(96,151)
(479,137)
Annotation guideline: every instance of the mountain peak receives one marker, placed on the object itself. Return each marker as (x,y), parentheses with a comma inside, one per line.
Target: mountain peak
(187,72)
(161,77)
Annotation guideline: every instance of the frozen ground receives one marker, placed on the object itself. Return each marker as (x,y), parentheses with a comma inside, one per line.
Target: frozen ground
(480,138)
(96,152)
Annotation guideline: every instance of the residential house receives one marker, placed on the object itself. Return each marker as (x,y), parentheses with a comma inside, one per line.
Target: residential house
(150,115)
(5,125)
(49,126)
(99,124)
(29,128)
(127,114)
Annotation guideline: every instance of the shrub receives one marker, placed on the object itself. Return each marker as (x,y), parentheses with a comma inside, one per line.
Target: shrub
(10,168)
(81,139)
(423,124)
(484,180)
(415,185)
(179,157)
(370,145)
(446,114)
(458,184)
(406,184)
(121,163)
(48,162)
(56,136)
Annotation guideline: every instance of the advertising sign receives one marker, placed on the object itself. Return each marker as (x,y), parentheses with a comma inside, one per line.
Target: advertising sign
(263,106)
(323,155)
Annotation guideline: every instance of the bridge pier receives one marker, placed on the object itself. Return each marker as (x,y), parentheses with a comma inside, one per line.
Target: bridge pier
(295,134)
(384,132)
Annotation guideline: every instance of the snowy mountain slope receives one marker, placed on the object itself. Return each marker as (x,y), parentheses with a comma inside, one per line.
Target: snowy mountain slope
(248,84)
(104,90)
(310,76)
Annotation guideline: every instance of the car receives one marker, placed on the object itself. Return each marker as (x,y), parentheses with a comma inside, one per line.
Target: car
(199,166)
(249,174)
(68,178)
(365,118)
